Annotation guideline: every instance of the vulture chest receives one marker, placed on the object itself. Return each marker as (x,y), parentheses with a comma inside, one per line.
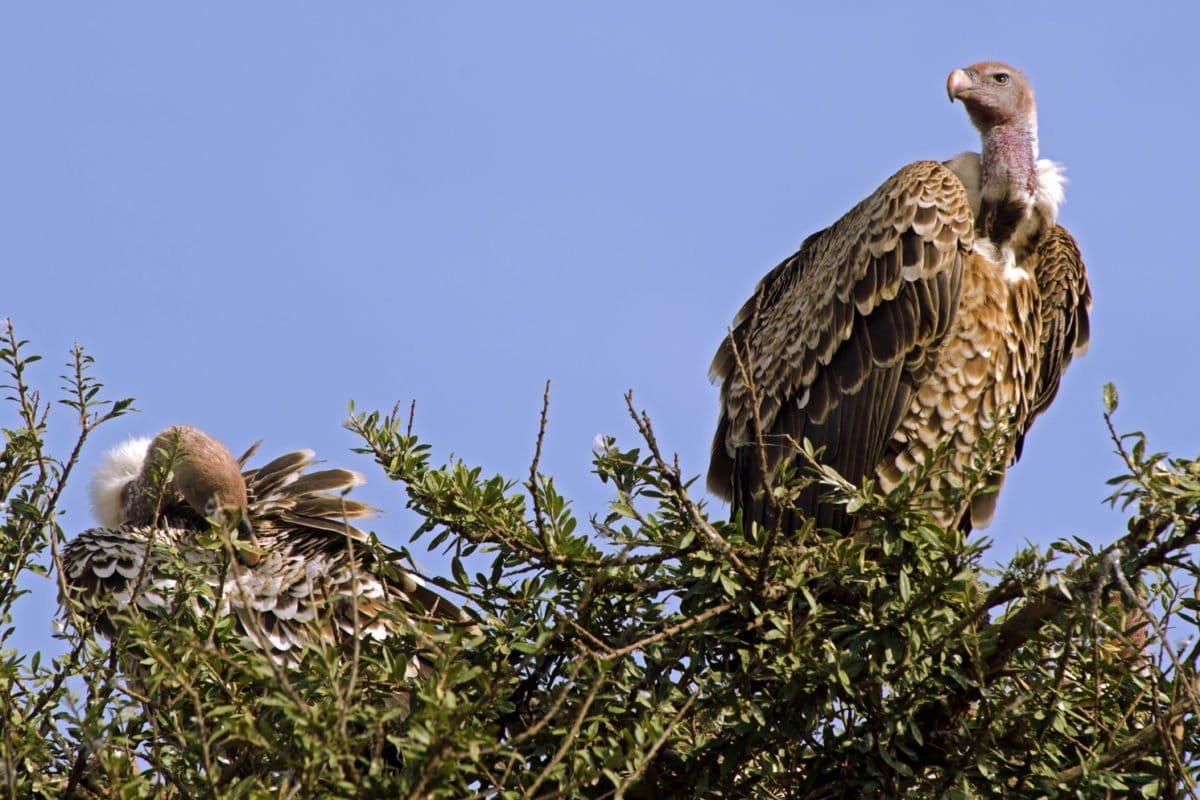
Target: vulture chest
(983,383)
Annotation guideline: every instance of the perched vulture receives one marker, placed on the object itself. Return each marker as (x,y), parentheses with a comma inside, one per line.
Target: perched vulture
(946,304)
(310,575)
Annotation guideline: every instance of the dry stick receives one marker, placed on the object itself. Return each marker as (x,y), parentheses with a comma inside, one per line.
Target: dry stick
(412,416)
(642,421)
(538,517)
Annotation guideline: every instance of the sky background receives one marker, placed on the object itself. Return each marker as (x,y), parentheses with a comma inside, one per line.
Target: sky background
(250,214)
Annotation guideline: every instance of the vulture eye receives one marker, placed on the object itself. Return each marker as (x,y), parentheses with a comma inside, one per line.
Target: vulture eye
(1000,78)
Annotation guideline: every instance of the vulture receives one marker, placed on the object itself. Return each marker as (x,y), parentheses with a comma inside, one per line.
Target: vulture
(941,309)
(305,574)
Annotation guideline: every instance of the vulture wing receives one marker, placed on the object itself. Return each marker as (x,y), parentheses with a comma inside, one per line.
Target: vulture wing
(320,568)
(1066,301)
(834,340)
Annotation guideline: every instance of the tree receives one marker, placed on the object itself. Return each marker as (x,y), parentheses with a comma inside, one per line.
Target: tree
(660,654)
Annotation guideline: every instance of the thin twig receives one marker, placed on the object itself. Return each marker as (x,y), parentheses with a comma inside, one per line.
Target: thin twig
(539,519)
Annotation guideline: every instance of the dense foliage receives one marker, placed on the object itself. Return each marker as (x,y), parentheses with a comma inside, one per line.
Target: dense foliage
(654,652)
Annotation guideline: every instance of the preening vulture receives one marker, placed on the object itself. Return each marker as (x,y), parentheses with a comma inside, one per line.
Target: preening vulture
(947,302)
(312,576)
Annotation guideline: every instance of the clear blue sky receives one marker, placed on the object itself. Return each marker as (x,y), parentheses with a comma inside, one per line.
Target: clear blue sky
(251,213)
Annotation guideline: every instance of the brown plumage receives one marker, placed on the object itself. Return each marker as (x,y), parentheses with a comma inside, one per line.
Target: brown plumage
(309,576)
(945,303)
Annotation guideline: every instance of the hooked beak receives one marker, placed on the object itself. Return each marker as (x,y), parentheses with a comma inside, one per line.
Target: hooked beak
(959,85)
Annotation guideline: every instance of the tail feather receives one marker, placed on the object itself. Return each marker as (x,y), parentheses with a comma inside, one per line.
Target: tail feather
(250,451)
(326,480)
(270,478)
(299,521)
(333,506)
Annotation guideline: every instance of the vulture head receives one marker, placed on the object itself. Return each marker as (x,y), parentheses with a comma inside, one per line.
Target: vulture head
(994,93)
(130,486)
(999,100)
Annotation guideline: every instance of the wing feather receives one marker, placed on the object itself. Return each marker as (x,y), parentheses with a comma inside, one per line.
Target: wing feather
(1066,302)
(835,336)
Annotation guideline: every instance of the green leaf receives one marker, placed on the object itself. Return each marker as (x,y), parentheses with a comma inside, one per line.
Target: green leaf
(460,573)
(1110,398)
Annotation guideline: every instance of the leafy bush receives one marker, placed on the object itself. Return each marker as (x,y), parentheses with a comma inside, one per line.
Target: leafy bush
(659,654)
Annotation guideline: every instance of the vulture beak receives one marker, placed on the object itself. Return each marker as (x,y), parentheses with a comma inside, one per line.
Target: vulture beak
(959,85)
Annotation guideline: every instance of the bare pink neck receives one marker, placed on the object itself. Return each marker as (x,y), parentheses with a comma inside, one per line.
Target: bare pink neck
(1009,178)
(1009,161)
